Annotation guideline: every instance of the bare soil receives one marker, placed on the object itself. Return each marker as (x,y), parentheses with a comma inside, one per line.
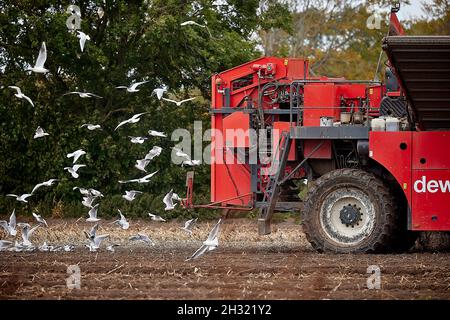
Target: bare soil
(244,266)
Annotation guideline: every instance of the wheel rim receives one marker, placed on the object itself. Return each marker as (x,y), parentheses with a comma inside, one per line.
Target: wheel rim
(347,216)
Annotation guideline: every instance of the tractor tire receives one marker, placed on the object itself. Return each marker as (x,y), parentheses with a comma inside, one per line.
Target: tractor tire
(349,211)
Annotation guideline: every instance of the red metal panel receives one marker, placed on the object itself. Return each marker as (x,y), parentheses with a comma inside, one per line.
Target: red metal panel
(431,200)
(297,68)
(235,129)
(284,126)
(393,150)
(324,152)
(320,100)
(431,150)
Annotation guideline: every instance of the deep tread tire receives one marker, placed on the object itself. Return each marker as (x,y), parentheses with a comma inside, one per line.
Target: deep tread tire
(384,228)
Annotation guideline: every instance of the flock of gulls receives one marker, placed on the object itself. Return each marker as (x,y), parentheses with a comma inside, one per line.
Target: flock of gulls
(90,196)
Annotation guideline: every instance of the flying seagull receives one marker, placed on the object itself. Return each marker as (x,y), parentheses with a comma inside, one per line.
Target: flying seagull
(83,191)
(132,87)
(131,195)
(209,244)
(188,226)
(10,227)
(20,95)
(21,198)
(83,37)
(154,217)
(92,233)
(156,151)
(47,183)
(141,164)
(39,65)
(95,243)
(73,170)
(168,201)
(76,154)
(142,237)
(133,119)
(145,179)
(91,126)
(39,219)
(27,231)
(137,140)
(88,200)
(159,92)
(40,133)
(95,193)
(178,103)
(93,214)
(191,163)
(83,94)
(122,222)
(157,134)
(181,154)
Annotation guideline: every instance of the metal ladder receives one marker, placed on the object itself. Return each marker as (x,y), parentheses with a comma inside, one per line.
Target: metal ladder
(272,191)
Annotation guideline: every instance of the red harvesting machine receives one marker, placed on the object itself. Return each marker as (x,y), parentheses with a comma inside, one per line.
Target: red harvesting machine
(376,156)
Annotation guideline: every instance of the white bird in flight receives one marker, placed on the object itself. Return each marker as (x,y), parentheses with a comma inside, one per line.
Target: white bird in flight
(95,193)
(181,154)
(179,103)
(73,170)
(94,243)
(137,140)
(144,179)
(93,214)
(191,163)
(92,233)
(133,119)
(131,195)
(40,133)
(10,227)
(83,94)
(39,219)
(157,134)
(141,164)
(122,221)
(83,37)
(91,126)
(156,151)
(132,87)
(47,183)
(142,237)
(20,95)
(40,61)
(159,92)
(211,243)
(168,201)
(188,225)
(83,191)
(76,154)
(27,231)
(157,218)
(88,200)
(5,244)
(21,198)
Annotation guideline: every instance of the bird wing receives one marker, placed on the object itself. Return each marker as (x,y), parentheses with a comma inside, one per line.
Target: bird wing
(168,199)
(37,187)
(186,100)
(98,239)
(78,166)
(4,224)
(42,57)
(28,99)
(149,175)
(122,87)
(122,123)
(93,231)
(93,211)
(215,231)
(12,219)
(16,88)
(198,253)
(32,230)
(170,100)
(135,85)
(12,195)
(94,95)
